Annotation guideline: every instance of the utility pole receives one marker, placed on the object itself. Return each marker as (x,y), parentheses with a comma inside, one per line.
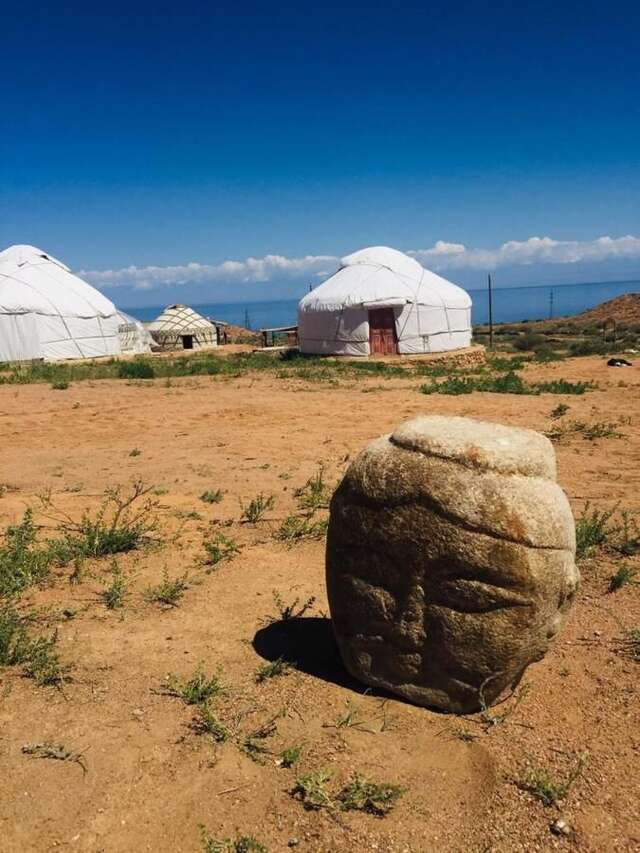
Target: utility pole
(247,321)
(551,303)
(490,313)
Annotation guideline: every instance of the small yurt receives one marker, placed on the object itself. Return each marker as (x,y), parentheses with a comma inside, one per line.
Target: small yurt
(180,327)
(383,302)
(134,338)
(48,313)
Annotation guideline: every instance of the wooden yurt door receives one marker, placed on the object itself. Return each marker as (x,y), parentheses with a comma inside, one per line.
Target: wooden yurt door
(382,332)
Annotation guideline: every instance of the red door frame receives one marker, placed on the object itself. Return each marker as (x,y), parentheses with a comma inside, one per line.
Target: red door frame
(383,339)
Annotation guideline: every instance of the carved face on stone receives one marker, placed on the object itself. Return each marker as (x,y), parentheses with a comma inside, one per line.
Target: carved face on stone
(450,560)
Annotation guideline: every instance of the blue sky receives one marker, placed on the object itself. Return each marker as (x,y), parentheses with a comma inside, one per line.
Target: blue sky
(175,138)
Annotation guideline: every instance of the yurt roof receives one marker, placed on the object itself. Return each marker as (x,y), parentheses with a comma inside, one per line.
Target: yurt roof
(31,281)
(180,319)
(380,277)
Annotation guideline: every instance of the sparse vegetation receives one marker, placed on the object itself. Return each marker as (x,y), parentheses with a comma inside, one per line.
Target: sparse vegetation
(559,411)
(549,790)
(507,383)
(592,530)
(273,669)
(138,368)
(253,744)
(23,562)
(36,655)
(289,756)
(254,511)
(590,432)
(169,591)
(623,576)
(219,549)
(196,690)
(212,496)
(315,492)
(294,528)
(311,790)
(241,844)
(295,610)
(59,385)
(123,522)
(205,722)
(114,594)
(371,797)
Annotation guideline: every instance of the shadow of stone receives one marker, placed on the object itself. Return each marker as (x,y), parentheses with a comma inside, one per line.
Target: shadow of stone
(307,642)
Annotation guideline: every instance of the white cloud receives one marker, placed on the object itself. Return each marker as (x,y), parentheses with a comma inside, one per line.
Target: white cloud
(441,256)
(535,250)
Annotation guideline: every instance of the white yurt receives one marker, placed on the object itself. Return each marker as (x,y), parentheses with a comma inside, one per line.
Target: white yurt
(382,302)
(48,313)
(134,338)
(180,327)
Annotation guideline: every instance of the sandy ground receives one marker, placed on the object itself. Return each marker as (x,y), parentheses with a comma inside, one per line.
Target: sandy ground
(150,781)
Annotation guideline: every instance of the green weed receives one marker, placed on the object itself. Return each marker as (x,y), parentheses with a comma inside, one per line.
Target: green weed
(253,744)
(371,797)
(197,690)
(295,610)
(294,528)
(311,790)
(592,530)
(60,385)
(168,592)
(212,496)
(241,844)
(289,756)
(136,369)
(113,595)
(273,669)
(623,576)
(544,787)
(254,511)
(315,492)
(219,549)
(205,722)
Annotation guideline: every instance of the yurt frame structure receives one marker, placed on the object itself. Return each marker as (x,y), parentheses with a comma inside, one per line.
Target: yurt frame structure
(180,327)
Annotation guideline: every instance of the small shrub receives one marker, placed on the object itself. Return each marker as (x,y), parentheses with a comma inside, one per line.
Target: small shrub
(196,690)
(311,790)
(293,610)
(315,493)
(36,655)
(212,496)
(294,528)
(592,530)
(123,522)
(529,341)
(256,508)
(135,452)
(559,411)
(623,576)
(627,536)
(253,744)
(113,595)
(540,784)
(241,844)
(23,562)
(364,796)
(562,386)
(168,592)
(273,669)
(219,549)
(205,722)
(136,369)
(289,756)
(586,347)
(60,385)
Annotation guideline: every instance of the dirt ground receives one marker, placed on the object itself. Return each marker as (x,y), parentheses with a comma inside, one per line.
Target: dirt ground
(150,780)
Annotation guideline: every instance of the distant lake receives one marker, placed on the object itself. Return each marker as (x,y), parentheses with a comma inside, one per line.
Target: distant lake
(510,304)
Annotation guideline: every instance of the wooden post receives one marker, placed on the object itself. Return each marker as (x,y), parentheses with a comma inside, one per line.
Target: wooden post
(490,313)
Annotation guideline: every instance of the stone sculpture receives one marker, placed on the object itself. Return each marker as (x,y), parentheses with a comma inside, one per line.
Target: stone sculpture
(450,560)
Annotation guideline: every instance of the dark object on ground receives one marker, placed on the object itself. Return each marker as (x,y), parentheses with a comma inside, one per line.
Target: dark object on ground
(618,362)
